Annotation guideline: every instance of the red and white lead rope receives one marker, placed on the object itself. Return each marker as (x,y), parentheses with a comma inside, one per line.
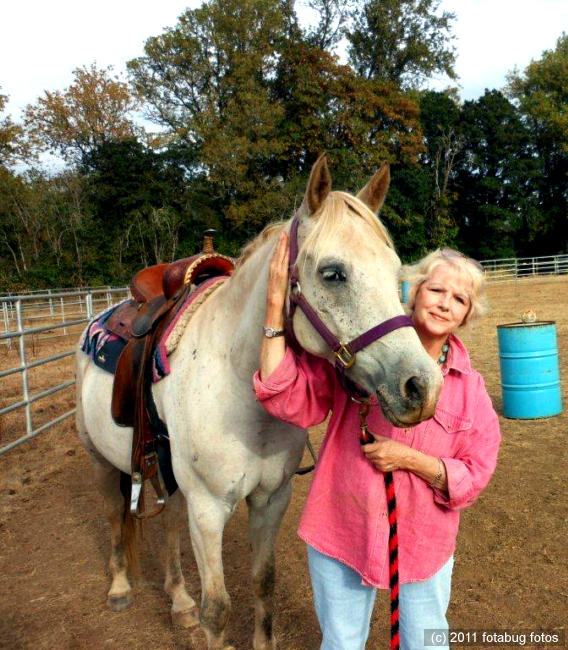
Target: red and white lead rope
(367,437)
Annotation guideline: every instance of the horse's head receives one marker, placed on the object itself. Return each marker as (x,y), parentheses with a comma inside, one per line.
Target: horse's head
(347,269)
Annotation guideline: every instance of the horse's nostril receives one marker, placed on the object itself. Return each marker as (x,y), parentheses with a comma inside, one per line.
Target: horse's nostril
(415,389)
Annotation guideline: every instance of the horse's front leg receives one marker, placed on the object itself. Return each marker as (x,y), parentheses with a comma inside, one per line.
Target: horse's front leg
(265,515)
(184,610)
(207,518)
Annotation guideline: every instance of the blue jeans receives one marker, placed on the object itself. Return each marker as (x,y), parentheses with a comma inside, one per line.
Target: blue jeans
(344,606)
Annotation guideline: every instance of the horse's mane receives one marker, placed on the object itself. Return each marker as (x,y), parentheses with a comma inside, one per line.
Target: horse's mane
(248,249)
(330,213)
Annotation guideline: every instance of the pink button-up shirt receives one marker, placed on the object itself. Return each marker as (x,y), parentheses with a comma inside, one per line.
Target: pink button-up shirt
(345,515)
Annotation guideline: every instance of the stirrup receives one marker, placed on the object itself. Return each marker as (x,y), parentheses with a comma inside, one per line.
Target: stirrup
(159,488)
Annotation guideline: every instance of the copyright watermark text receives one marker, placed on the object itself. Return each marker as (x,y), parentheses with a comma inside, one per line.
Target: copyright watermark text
(500,638)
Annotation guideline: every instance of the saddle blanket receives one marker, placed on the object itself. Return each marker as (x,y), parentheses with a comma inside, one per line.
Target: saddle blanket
(104,347)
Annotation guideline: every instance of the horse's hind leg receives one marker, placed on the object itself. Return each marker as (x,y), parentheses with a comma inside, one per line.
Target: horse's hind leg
(265,515)
(184,610)
(122,534)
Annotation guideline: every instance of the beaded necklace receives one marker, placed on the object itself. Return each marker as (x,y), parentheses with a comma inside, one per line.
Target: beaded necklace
(442,358)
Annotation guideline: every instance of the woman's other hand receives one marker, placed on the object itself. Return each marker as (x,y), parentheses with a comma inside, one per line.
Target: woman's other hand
(387,455)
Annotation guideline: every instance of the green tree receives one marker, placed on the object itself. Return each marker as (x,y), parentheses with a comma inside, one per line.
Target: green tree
(401,41)
(208,81)
(541,92)
(94,109)
(360,123)
(256,100)
(13,147)
(334,16)
(135,198)
(439,117)
(497,169)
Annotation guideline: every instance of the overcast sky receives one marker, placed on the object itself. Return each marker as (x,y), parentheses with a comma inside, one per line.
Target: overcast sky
(43,41)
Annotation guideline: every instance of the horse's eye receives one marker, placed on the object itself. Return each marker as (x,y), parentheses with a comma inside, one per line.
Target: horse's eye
(333,274)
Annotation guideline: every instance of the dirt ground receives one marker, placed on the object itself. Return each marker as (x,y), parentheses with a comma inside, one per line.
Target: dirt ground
(511,561)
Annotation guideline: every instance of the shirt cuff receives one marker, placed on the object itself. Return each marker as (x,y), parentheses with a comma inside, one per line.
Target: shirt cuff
(460,488)
(279,379)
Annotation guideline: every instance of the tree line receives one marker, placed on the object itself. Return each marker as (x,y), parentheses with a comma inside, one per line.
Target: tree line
(243,98)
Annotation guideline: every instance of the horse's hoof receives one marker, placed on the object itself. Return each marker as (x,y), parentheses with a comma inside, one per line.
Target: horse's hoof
(120,603)
(188,618)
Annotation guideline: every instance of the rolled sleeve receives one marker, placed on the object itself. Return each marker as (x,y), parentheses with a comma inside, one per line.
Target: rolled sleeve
(299,390)
(470,470)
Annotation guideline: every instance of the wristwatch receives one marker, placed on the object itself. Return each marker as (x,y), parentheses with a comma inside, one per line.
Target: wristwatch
(270,332)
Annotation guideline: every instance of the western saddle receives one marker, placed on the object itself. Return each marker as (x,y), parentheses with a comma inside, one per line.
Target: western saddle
(158,292)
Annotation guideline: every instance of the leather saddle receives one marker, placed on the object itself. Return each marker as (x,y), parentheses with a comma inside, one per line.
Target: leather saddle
(158,292)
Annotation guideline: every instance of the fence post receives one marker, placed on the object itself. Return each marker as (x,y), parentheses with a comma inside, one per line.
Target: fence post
(63,315)
(50,303)
(24,366)
(89,302)
(6,324)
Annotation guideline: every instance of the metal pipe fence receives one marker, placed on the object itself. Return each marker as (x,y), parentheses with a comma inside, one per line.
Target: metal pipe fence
(518,268)
(25,316)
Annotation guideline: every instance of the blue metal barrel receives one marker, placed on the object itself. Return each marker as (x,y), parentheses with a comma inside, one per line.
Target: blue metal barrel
(404,287)
(530,378)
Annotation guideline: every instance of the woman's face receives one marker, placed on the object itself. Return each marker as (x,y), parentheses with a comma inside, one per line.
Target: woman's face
(442,302)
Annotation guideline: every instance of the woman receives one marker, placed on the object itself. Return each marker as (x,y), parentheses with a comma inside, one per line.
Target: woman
(440,466)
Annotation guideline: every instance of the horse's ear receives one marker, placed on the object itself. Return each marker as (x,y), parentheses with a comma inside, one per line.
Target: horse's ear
(374,193)
(319,185)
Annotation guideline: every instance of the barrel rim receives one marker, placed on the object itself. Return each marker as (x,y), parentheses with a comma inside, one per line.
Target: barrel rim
(536,323)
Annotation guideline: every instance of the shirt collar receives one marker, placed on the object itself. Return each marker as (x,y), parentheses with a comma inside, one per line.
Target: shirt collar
(458,358)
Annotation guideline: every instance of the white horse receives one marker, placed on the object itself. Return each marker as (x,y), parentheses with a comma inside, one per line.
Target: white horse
(224,446)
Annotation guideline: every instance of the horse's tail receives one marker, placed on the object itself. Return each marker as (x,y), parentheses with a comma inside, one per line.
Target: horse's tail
(130,528)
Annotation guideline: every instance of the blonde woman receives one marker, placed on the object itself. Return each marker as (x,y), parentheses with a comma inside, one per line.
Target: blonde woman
(440,466)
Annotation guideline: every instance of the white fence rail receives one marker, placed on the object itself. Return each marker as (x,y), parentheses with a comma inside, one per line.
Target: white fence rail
(51,315)
(517,268)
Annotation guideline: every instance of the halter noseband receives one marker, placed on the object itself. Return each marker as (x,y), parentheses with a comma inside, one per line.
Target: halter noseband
(345,353)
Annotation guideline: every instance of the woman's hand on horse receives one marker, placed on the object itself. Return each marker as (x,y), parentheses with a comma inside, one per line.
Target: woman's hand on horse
(278,281)
(388,455)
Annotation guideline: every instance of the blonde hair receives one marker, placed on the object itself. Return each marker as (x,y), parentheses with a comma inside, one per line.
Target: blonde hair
(416,274)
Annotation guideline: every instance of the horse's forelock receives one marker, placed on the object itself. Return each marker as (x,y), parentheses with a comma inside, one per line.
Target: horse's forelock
(328,217)
(332,213)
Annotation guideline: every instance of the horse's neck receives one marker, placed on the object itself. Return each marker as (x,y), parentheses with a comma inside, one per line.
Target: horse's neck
(245,300)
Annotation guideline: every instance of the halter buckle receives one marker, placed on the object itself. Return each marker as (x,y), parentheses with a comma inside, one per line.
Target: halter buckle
(344,356)
(295,288)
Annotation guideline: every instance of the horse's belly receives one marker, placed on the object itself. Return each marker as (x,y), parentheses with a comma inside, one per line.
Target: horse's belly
(114,443)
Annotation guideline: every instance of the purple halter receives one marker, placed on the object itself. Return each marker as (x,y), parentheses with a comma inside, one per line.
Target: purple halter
(344,353)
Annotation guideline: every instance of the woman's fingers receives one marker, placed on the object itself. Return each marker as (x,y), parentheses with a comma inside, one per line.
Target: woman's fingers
(282,251)
(278,272)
